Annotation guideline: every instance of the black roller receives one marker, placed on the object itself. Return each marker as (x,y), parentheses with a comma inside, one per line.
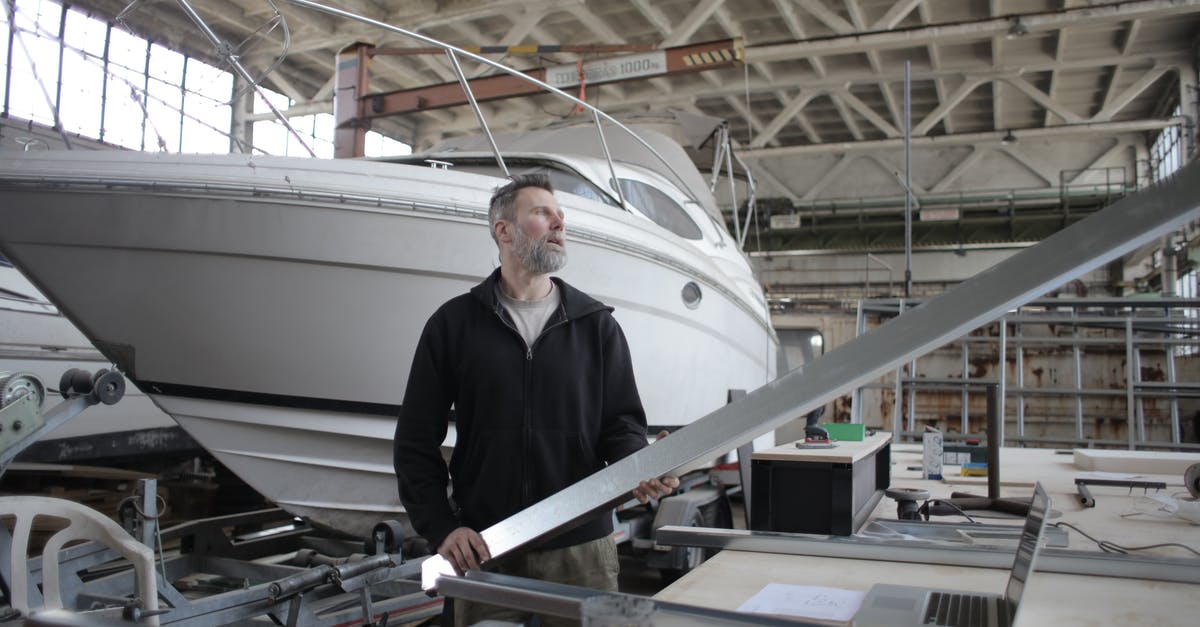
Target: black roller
(108,386)
(64,382)
(75,382)
(392,535)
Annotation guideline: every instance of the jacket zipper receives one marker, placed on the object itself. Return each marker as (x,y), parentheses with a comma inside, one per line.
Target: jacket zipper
(526,418)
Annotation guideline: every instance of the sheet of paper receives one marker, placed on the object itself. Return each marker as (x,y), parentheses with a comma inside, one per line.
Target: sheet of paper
(807,601)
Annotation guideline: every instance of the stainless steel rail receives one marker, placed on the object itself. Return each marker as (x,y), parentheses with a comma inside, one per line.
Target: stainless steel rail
(456,53)
(854,547)
(553,599)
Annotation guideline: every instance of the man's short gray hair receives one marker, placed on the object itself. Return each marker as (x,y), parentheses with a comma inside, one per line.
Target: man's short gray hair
(504,200)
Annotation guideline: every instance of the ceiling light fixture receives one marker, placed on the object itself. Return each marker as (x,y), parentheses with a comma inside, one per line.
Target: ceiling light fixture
(1017,28)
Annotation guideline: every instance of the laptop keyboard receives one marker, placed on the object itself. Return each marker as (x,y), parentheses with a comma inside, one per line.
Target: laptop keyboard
(961,610)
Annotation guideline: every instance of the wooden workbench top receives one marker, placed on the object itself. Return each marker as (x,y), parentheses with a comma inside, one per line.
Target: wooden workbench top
(1120,515)
(844,451)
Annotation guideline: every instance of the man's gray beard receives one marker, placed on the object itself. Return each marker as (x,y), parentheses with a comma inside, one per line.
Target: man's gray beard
(536,255)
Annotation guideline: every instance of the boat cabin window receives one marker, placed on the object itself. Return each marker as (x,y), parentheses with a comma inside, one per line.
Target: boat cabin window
(660,208)
(563,181)
(573,184)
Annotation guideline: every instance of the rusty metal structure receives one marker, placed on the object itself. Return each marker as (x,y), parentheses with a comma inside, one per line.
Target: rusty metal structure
(1079,371)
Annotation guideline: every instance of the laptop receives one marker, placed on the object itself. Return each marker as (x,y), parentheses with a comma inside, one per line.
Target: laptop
(887,604)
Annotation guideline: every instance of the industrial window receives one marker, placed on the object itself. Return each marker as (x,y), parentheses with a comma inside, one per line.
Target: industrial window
(1166,153)
(659,207)
(113,86)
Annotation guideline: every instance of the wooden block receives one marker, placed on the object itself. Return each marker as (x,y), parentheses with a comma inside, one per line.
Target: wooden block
(1138,462)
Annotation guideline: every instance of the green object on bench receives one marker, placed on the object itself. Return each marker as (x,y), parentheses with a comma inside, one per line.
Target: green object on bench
(845,431)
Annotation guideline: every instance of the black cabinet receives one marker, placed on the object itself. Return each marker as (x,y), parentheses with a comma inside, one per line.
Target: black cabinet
(820,491)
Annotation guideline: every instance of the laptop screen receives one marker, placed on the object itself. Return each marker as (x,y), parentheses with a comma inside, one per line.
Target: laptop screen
(1027,548)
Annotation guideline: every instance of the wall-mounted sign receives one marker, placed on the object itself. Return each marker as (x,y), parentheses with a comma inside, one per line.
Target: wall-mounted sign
(608,70)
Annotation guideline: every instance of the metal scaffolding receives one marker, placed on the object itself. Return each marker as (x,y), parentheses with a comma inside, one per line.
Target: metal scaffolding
(1126,363)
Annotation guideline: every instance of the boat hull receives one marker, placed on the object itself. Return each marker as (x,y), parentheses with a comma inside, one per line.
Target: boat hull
(276,326)
(36,339)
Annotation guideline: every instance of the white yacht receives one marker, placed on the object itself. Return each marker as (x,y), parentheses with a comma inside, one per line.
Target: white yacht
(271,305)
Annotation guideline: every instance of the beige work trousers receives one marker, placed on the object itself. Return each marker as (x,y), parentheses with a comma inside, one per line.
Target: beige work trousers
(590,564)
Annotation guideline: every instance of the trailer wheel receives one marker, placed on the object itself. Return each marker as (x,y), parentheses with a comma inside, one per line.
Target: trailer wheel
(688,557)
(718,514)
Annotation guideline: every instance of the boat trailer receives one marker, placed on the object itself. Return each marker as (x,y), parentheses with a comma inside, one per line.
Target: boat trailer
(216,571)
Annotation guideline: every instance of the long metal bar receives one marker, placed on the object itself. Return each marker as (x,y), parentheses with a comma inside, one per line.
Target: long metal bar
(483,125)
(541,597)
(1096,341)
(908,195)
(1050,560)
(1084,246)
(1087,443)
(1002,384)
(1130,427)
(616,184)
(1077,357)
(1144,388)
(995,438)
(1019,349)
(1139,407)
(910,395)
(897,399)
(1169,357)
(741,240)
(965,410)
(856,409)
(1141,323)
(1090,341)
(892,305)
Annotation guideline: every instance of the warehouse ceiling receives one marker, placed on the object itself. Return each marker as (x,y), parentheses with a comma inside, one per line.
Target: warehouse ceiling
(1004,93)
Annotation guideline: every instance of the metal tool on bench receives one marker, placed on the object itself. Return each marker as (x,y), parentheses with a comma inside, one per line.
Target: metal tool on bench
(814,435)
(1085,495)
(1191,479)
(907,501)
(1120,228)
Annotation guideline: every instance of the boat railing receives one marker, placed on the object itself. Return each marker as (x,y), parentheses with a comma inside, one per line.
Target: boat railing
(455,55)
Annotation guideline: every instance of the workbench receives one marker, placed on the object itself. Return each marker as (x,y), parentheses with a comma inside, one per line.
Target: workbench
(819,490)
(731,577)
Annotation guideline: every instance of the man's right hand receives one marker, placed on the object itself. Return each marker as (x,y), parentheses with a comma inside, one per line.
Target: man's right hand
(465,549)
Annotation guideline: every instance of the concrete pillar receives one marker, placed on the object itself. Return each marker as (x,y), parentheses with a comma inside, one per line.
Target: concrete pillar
(350,131)
(1189,98)
(241,132)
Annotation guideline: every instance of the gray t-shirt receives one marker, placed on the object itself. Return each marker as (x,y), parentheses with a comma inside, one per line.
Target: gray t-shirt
(530,316)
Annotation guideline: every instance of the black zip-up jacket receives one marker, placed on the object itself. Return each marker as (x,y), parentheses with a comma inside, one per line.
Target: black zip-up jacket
(531,421)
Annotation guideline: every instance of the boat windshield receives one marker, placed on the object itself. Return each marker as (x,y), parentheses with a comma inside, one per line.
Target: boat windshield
(562,180)
(660,208)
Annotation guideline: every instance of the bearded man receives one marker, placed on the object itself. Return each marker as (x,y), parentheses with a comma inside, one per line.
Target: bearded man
(542,386)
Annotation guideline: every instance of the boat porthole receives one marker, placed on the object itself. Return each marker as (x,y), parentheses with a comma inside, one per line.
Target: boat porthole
(691,295)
